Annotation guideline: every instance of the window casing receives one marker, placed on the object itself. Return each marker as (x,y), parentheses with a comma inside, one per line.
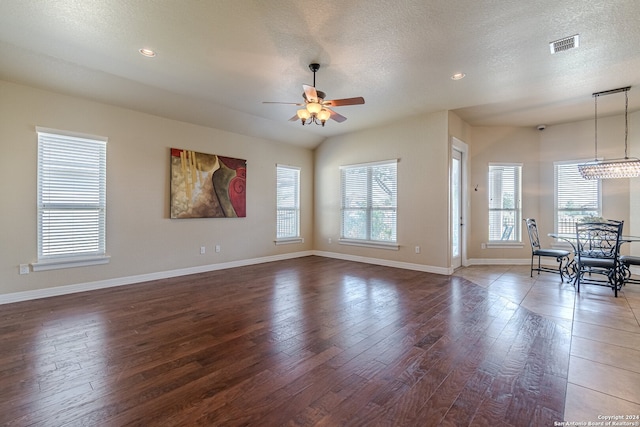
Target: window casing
(71,215)
(369,203)
(505,203)
(287,202)
(576,198)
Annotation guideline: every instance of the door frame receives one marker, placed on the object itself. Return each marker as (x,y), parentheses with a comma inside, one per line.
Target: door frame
(463,148)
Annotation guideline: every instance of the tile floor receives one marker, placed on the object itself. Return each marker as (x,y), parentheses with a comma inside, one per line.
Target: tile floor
(604,365)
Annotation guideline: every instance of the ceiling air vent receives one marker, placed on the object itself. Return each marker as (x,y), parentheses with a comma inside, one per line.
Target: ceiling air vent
(565,44)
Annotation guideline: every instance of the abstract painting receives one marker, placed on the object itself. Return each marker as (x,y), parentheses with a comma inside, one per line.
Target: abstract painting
(207,185)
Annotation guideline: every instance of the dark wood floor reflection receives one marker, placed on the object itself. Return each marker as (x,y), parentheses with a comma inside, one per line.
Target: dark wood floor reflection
(302,342)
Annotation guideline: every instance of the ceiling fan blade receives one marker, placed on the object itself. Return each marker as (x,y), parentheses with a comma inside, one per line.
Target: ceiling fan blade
(335,116)
(294,118)
(346,101)
(310,93)
(285,103)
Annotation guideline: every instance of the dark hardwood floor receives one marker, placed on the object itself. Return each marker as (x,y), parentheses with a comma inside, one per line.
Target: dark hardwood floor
(303,342)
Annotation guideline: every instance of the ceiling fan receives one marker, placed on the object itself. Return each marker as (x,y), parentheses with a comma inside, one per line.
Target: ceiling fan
(316,108)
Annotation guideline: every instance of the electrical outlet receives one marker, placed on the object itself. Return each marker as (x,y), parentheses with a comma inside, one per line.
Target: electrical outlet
(203,250)
(417,249)
(329,239)
(217,248)
(24,268)
(483,246)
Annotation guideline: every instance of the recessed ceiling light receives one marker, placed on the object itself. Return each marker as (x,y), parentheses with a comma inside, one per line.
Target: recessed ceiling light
(147,52)
(458,76)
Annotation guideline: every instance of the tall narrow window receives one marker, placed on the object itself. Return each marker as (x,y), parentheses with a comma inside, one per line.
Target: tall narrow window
(71,200)
(369,202)
(287,202)
(505,206)
(576,198)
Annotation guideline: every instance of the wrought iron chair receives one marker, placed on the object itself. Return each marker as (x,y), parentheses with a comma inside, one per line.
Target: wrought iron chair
(561,255)
(598,252)
(626,261)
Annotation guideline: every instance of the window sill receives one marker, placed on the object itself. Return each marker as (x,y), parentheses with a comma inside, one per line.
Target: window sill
(370,244)
(55,264)
(505,245)
(289,240)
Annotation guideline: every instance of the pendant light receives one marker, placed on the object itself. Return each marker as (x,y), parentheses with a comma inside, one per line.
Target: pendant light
(628,167)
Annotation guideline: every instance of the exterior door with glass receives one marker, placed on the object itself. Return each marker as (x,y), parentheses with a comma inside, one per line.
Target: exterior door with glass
(456,209)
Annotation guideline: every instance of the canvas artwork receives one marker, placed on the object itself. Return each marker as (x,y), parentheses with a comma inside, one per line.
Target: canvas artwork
(207,185)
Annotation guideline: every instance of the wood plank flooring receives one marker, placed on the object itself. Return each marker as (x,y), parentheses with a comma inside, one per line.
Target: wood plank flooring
(305,342)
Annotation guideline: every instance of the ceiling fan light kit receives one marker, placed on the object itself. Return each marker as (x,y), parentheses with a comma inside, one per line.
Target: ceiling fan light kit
(315,107)
(628,167)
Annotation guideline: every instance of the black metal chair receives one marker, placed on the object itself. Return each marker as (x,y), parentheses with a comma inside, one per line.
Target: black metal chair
(598,253)
(626,261)
(561,255)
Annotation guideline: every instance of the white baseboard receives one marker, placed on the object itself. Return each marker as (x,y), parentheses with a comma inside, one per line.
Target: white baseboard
(121,281)
(386,263)
(498,261)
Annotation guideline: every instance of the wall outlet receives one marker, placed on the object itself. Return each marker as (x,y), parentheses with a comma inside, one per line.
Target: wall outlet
(329,240)
(24,268)
(417,249)
(217,248)
(203,250)
(483,246)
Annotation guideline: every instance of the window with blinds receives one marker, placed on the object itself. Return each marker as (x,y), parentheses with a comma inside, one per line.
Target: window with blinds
(505,204)
(71,197)
(576,198)
(287,202)
(369,202)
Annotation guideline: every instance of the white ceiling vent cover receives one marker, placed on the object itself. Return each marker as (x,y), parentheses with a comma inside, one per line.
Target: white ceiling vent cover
(565,44)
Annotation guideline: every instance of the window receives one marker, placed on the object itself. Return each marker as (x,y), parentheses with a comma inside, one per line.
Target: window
(71,200)
(575,197)
(369,203)
(287,202)
(505,205)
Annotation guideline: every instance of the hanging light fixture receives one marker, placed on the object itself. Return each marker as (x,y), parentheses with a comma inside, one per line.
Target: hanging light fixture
(316,108)
(314,111)
(628,167)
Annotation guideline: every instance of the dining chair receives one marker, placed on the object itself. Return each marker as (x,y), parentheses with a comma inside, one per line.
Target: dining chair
(598,253)
(561,255)
(626,261)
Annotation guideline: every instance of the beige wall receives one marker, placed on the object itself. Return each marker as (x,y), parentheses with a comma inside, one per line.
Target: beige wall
(501,145)
(538,150)
(634,184)
(421,145)
(141,238)
(458,128)
(575,141)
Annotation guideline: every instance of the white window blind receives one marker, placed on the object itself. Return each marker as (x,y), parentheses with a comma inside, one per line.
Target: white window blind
(505,202)
(71,197)
(575,197)
(288,202)
(369,202)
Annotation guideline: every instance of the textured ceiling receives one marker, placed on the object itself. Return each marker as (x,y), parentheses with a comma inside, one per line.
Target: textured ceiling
(217,60)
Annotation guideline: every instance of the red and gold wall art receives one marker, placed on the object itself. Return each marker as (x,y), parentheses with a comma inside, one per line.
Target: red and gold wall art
(207,185)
